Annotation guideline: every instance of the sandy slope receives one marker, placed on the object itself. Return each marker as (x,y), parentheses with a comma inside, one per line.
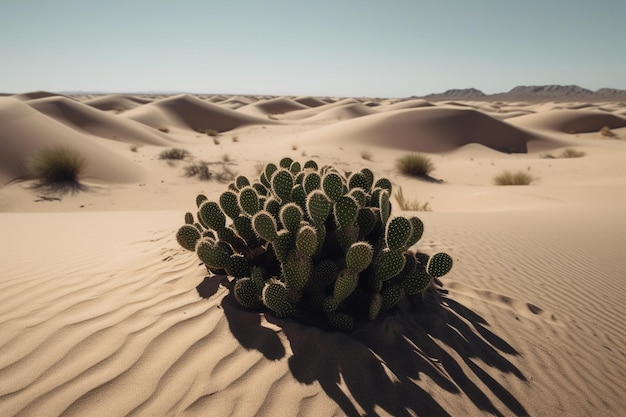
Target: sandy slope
(100,314)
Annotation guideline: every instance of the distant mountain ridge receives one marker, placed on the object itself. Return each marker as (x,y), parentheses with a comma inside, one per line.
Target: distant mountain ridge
(532,92)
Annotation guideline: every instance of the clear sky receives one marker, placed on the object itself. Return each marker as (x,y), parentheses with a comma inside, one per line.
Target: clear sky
(381,48)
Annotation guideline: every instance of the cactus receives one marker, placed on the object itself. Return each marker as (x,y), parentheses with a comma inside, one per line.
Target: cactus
(399,230)
(290,216)
(275,296)
(332,184)
(247,293)
(359,256)
(346,211)
(212,255)
(302,239)
(439,264)
(211,216)
(318,206)
(282,184)
(249,200)
(188,236)
(265,226)
(229,204)
(345,284)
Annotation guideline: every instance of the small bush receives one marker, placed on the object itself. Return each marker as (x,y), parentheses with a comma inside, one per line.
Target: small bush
(211,132)
(174,154)
(513,178)
(409,205)
(235,138)
(164,129)
(226,157)
(134,148)
(199,169)
(367,155)
(607,132)
(57,169)
(415,165)
(572,153)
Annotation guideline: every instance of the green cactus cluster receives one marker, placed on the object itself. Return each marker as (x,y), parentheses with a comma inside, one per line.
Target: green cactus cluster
(310,242)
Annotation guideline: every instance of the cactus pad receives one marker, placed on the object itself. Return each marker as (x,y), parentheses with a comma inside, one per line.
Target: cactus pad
(439,264)
(188,236)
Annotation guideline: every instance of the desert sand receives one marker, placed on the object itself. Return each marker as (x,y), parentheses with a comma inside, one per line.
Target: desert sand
(100,314)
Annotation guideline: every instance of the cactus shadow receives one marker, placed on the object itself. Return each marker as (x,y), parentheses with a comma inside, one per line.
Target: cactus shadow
(384,365)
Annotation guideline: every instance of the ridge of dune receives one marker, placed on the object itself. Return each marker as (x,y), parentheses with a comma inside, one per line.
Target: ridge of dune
(277,105)
(314,111)
(25,131)
(570,120)
(406,104)
(190,112)
(90,120)
(430,129)
(309,101)
(36,94)
(116,102)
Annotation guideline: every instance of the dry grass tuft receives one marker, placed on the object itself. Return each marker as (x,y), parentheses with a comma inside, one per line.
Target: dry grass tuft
(572,153)
(513,178)
(607,132)
(57,170)
(367,155)
(415,165)
(409,205)
(174,154)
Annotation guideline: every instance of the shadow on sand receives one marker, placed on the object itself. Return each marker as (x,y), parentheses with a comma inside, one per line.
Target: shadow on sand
(384,365)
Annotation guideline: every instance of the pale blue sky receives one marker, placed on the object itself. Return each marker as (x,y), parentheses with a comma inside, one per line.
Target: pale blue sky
(393,48)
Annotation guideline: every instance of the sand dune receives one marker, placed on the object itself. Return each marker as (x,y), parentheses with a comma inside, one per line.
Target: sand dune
(571,121)
(36,94)
(189,112)
(431,129)
(407,104)
(116,102)
(103,314)
(88,120)
(273,106)
(25,131)
(309,101)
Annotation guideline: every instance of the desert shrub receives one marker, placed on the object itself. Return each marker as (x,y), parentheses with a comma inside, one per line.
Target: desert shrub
(513,178)
(572,153)
(134,148)
(415,165)
(409,205)
(367,155)
(164,129)
(312,243)
(607,132)
(199,169)
(57,169)
(174,154)
(211,132)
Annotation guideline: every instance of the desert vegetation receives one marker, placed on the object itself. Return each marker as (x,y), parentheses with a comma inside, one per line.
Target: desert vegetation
(57,169)
(409,205)
(312,243)
(513,178)
(415,165)
(607,132)
(174,154)
(366,155)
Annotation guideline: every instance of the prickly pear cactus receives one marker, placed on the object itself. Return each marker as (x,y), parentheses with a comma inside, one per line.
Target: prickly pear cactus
(305,240)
